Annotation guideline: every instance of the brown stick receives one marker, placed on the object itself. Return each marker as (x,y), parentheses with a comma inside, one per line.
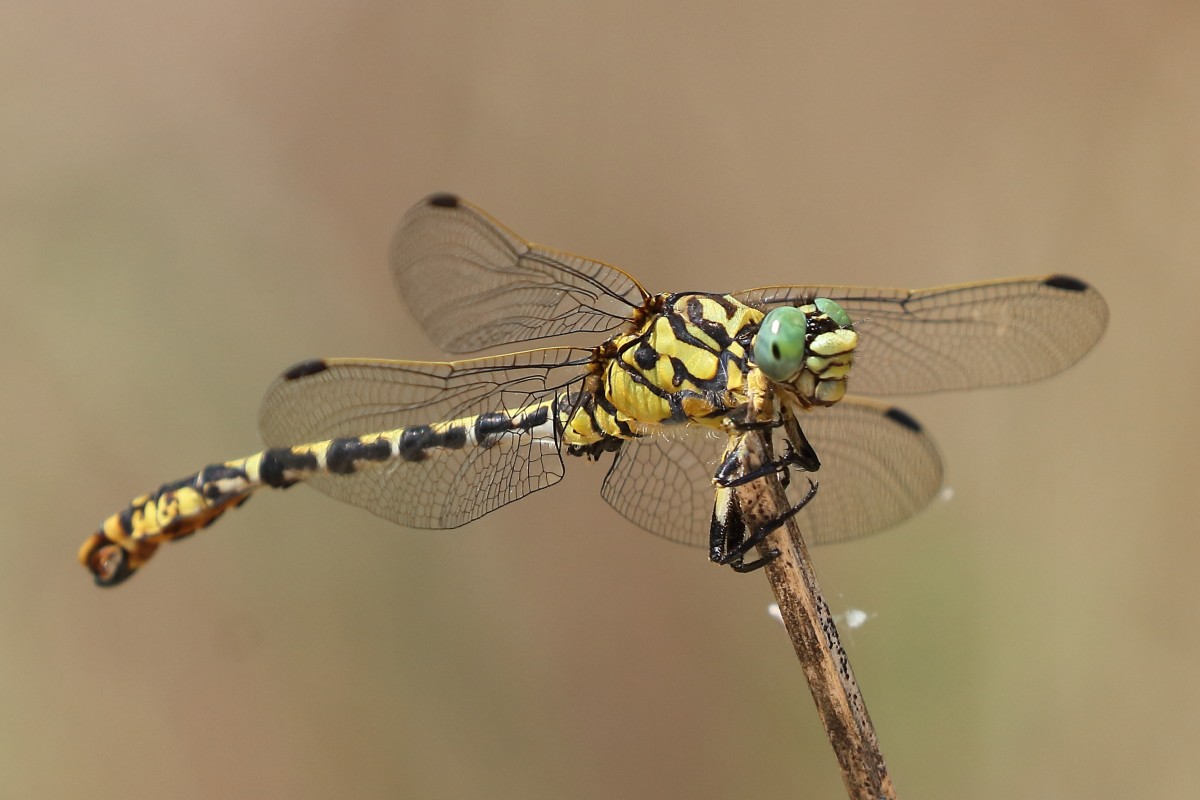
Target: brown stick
(814,635)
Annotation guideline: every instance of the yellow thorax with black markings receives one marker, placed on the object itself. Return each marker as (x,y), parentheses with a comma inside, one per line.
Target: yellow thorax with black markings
(686,364)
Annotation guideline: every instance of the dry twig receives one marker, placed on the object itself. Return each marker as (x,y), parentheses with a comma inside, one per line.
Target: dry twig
(814,635)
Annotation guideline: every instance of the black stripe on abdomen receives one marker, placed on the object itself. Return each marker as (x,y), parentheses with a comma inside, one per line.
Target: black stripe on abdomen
(343,454)
(279,460)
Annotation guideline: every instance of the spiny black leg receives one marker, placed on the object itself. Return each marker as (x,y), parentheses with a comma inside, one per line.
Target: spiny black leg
(806,457)
(775,524)
(739,417)
(734,557)
(767,425)
(740,566)
(779,465)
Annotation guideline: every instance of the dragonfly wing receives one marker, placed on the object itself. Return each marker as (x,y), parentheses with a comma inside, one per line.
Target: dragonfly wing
(453,487)
(990,333)
(472,283)
(663,482)
(326,398)
(450,486)
(878,468)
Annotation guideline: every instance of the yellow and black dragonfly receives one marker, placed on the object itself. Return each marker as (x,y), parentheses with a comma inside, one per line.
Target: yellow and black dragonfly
(671,388)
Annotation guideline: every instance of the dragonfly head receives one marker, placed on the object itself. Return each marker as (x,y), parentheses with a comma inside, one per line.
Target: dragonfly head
(809,348)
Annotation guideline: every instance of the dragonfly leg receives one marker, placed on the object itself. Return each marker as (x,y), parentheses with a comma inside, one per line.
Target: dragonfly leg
(730,539)
(739,420)
(735,558)
(790,458)
(593,451)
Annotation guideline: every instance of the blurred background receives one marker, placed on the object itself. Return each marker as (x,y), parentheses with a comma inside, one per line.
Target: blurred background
(195,196)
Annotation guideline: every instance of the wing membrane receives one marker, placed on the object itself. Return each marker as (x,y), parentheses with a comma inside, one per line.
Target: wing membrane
(352,397)
(878,468)
(663,482)
(990,333)
(473,283)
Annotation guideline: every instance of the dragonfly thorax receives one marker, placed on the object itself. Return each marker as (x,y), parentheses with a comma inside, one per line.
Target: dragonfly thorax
(686,362)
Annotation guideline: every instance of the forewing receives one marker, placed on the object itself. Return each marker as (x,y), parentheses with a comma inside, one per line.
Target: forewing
(326,399)
(990,333)
(878,468)
(472,283)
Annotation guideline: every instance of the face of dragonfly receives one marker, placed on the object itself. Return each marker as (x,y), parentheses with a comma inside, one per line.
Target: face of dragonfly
(810,348)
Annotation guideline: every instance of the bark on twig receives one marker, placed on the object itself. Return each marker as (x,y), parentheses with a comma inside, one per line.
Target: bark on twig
(814,636)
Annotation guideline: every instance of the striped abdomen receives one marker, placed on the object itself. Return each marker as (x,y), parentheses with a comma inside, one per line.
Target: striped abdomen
(126,540)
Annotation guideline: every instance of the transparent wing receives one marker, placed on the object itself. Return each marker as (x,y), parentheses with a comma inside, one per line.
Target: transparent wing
(878,468)
(350,397)
(473,283)
(663,482)
(971,335)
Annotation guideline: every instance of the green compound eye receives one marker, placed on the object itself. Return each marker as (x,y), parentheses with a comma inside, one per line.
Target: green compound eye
(779,348)
(833,311)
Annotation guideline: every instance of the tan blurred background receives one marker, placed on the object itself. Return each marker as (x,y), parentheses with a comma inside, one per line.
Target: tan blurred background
(195,196)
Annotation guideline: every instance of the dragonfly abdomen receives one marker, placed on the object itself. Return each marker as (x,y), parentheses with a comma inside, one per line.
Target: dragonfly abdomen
(180,508)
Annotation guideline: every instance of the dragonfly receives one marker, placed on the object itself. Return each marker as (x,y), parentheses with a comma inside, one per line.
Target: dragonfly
(675,385)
